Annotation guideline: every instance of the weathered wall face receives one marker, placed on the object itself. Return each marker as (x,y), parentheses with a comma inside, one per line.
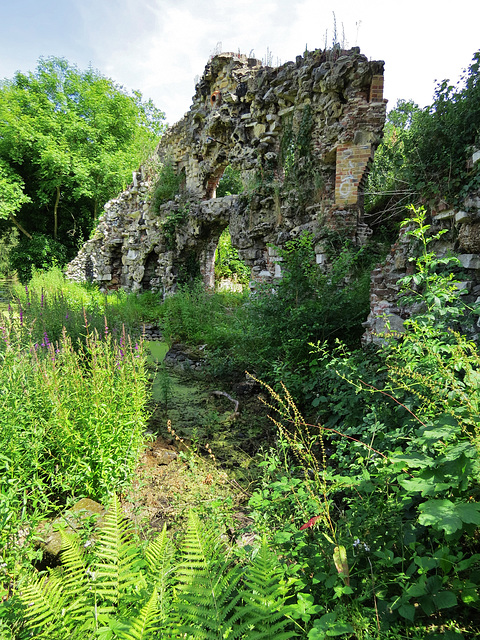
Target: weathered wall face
(461,237)
(301,135)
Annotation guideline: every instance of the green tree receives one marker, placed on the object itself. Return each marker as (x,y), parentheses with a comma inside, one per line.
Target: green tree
(388,188)
(424,152)
(72,138)
(12,195)
(442,138)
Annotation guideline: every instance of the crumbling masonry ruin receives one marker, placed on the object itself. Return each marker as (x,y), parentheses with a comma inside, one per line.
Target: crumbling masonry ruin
(301,135)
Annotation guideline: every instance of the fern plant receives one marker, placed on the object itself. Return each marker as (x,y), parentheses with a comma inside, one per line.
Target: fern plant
(207,585)
(263,595)
(118,594)
(128,595)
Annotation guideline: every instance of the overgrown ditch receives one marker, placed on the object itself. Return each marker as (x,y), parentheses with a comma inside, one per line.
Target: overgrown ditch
(202,440)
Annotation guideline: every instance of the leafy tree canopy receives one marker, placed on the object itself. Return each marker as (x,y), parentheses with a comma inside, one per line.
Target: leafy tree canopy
(424,152)
(69,140)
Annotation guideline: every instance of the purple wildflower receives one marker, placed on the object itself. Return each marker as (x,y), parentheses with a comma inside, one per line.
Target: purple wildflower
(47,343)
(21,317)
(41,300)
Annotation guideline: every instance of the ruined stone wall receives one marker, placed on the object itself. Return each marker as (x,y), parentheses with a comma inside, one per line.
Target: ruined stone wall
(302,136)
(461,237)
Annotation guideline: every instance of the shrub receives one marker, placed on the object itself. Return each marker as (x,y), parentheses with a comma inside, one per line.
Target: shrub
(37,252)
(167,187)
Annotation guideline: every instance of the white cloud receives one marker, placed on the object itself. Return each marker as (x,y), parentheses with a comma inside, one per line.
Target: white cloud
(159,46)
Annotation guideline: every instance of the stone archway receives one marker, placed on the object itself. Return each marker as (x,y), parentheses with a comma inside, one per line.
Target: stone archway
(321,115)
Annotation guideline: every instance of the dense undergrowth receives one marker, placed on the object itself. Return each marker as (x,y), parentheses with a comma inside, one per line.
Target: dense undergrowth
(367,503)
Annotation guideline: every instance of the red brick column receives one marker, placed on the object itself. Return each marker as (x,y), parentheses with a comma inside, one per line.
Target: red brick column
(351,164)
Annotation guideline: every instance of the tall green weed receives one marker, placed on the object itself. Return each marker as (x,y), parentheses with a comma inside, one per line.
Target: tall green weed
(71,422)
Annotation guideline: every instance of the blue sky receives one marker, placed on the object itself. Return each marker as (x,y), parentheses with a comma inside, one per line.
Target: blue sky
(159,46)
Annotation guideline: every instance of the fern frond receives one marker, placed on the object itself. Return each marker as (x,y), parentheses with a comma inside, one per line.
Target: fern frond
(207,590)
(159,557)
(74,564)
(75,579)
(141,626)
(44,602)
(263,595)
(118,556)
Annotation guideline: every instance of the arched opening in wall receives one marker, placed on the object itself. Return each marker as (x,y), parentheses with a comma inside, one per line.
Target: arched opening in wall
(230,183)
(231,273)
(212,183)
(116,267)
(225,181)
(150,278)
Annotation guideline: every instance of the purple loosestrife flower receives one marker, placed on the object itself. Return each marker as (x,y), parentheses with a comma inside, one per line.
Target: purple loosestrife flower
(41,300)
(21,317)
(47,343)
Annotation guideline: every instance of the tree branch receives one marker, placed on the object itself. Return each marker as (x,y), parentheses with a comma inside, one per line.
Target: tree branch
(19,226)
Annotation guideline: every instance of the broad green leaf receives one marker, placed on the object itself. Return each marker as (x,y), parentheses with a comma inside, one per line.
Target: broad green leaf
(440,514)
(407,611)
(425,486)
(445,599)
(469,512)
(415,460)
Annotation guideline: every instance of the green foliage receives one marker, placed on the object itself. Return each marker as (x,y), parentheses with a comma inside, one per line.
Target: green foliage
(72,422)
(12,195)
(123,593)
(306,305)
(49,303)
(388,189)
(377,508)
(433,284)
(70,140)
(167,186)
(38,252)
(424,153)
(198,316)
(442,136)
(231,183)
(227,261)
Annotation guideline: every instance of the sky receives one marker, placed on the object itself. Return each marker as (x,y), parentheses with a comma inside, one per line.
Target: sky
(159,46)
